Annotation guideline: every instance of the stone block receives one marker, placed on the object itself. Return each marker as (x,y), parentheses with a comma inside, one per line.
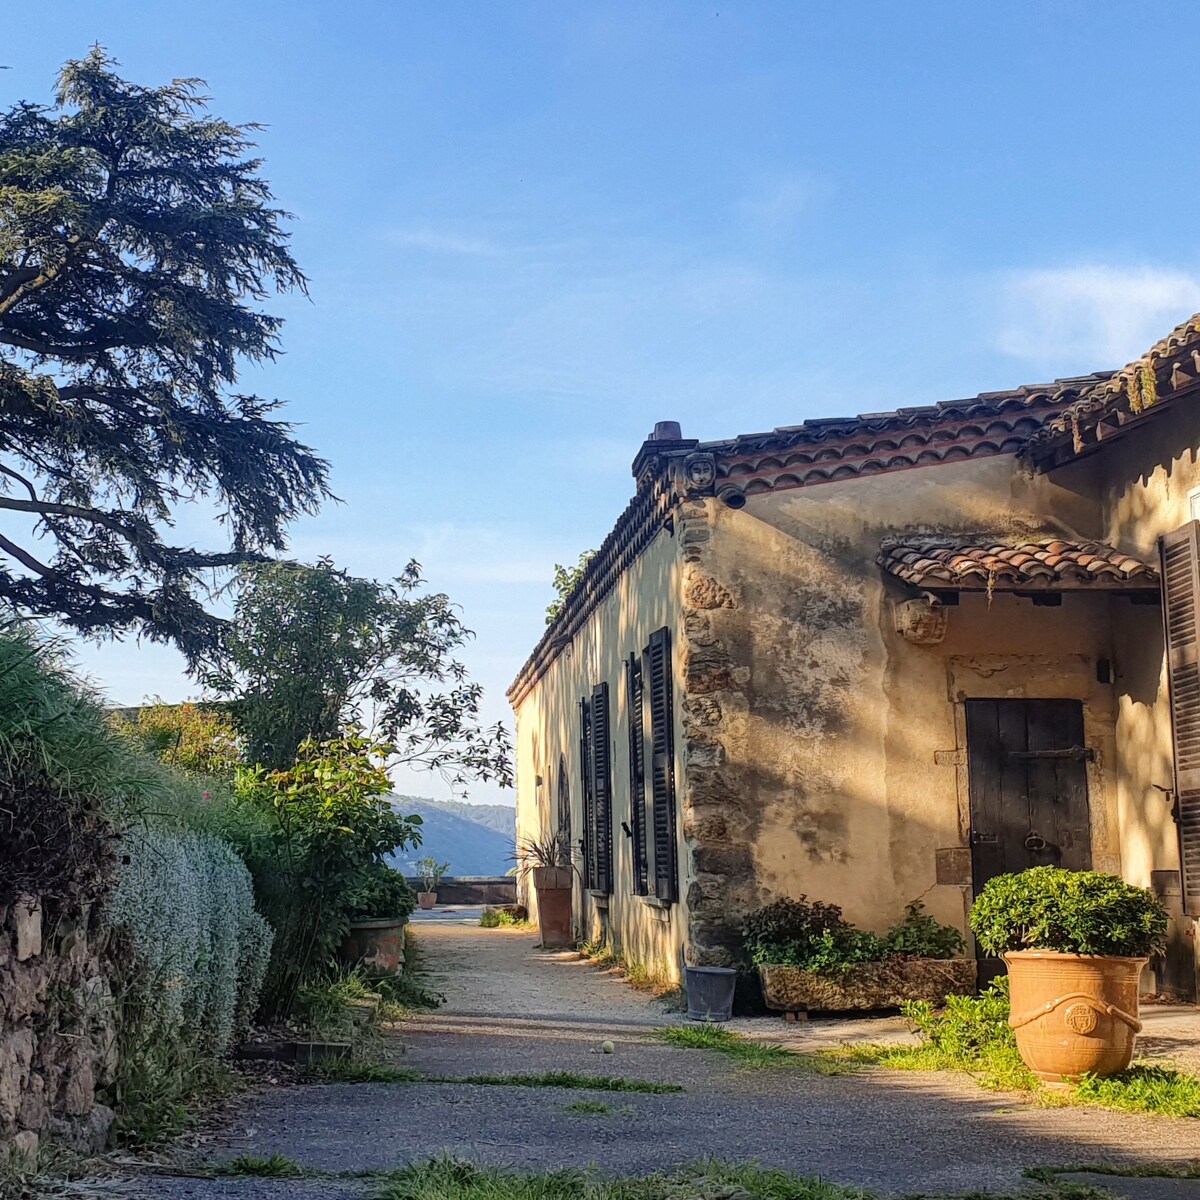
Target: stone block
(737,861)
(34,1110)
(702,591)
(27,920)
(16,1057)
(23,1149)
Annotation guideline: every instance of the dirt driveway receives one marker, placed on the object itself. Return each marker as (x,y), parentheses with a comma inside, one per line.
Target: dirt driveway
(511,1009)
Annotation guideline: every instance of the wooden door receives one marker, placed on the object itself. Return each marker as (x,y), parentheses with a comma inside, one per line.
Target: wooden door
(1028,786)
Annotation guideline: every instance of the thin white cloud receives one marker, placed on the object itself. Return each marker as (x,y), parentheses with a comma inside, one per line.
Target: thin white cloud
(1102,316)
(775,207)
(440,241)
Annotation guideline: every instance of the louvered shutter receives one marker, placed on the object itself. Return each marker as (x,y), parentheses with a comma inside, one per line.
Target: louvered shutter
(635,694)
(602,789)
(589,806)
(1181,615)
(662,764)
(564,805)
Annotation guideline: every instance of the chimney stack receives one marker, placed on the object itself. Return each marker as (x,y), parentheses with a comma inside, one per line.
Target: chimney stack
(667,437)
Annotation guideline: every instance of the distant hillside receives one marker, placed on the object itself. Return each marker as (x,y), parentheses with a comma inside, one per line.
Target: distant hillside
(475,839)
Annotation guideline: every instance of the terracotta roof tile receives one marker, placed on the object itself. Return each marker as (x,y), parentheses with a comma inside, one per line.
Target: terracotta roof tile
(979,562)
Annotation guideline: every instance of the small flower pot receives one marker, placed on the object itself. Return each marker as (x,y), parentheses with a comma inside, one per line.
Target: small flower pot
(1073,1014)
(426,899)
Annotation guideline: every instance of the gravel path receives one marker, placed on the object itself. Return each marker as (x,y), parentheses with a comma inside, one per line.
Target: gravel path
(511,1008)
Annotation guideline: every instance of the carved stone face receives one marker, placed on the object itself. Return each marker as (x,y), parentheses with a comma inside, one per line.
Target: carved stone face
(920,622)
(701,470)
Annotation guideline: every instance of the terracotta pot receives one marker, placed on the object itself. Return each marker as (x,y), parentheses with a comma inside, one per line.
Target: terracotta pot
(1073,1014)
(426,899)
(555,918)
(377,944)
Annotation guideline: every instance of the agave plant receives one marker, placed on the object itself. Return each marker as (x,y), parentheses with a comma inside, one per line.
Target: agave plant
(548,850)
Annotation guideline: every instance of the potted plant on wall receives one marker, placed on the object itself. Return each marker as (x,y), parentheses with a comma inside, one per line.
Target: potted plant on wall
(1075,943)
(548,860)
(431,872)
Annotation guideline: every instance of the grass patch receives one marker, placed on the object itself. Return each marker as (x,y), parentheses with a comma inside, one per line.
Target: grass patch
(569,1079)
(597,1107)
(502,918)
(1144,1089)
(645,978)
(446,1178)
(971,1034)
(351,1071)
(275,1167)
(1050,1175)
(743,1050)
(348,1070)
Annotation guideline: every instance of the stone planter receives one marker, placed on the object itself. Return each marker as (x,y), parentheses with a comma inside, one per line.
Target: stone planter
(426,899)
(377,945)
(868,985)
(555,918)
(1073,1014)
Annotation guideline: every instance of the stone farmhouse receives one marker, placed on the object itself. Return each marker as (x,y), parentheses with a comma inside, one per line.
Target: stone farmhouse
(883,657)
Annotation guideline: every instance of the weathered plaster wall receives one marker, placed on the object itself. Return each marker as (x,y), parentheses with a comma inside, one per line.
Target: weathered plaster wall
(1144,480)
(813,727)
(57,1033)
(646,598)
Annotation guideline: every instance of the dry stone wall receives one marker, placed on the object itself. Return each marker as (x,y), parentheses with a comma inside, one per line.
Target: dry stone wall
(58,1030)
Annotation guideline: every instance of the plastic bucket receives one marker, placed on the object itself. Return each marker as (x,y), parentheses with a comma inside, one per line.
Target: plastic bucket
(710,992)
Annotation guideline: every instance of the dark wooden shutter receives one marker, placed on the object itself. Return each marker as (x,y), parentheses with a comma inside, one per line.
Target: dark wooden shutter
(1181,617)
(602,789)
(635,694)
(564,805)
(589,805)
(662,764)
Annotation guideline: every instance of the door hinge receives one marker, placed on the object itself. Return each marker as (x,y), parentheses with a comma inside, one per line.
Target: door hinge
(1086,753)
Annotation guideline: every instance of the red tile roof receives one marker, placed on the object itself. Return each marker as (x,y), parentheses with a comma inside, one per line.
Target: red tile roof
(979,562)
(1138,391)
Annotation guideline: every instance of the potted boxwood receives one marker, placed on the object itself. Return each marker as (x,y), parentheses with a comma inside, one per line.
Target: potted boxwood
(377,911)
(548,860)
(810,958)
(431,872)
(1075,943)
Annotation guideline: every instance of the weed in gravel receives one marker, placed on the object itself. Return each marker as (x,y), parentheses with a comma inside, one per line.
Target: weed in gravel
(587,1106)
(446,1178)
(345,1070)
(569,1079)
(275,1167)
(743,1050)
(350,1071)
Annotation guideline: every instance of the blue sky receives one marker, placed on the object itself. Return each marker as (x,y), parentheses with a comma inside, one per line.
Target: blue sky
(534,229)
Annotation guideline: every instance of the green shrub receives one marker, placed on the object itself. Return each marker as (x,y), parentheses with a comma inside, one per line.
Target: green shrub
(315,838)
(1070,912)
(383,892)
(816,937)
(920,936)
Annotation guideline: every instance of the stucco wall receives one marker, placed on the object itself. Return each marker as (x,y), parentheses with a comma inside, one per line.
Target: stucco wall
(646,598)
(830,722)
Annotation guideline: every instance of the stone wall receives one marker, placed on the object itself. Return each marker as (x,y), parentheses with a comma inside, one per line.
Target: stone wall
(58,1042)
(472,889)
